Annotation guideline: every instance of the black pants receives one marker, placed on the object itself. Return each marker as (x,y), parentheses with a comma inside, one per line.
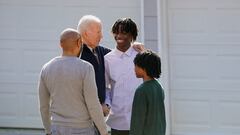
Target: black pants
(119,132)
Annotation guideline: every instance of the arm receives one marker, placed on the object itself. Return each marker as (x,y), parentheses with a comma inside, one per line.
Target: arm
(44,99)
(139,110)
(92,101)
(106,50)
(108,99)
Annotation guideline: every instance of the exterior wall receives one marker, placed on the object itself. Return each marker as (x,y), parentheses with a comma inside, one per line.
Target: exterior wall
(150,25)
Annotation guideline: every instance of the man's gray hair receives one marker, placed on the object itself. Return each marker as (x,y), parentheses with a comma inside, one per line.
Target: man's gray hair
(85,21)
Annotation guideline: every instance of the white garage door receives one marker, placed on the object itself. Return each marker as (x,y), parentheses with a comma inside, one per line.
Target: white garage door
(29,31)
(204,38)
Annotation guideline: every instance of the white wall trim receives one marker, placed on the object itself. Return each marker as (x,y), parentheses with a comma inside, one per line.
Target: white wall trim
(142,22)
(163,52)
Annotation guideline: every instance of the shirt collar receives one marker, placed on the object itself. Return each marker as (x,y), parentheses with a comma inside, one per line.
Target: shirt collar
(91,49)
(127,53)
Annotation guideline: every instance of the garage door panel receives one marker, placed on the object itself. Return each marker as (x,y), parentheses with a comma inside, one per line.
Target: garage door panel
(28,2)
(190,4)
(188,20)
(40,57)
(190,112)
(228,60)
(204,24)
(192,85)
(7,58)
(42,45)
(188,66)
(99,3)
(8,98)
(26,34)
(19,88)
(7,19)
(18,65)
(203,110)
(229,113)
(29,16)
(36,34)
(227,21)
(30,107)
(230,64)
(124,3)
(19,104)
(205,85)
(83,3)
(19,120)
(193,39)
(229,4)
(26,17)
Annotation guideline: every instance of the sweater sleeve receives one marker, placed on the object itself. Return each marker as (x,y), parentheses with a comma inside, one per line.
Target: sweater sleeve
(44,99)
(139,110)
(92,101)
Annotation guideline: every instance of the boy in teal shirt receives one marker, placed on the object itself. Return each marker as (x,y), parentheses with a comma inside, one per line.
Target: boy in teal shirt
(148,111)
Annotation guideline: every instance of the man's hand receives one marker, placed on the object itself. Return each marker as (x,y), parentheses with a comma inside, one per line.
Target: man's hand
(139,47)
(106,109)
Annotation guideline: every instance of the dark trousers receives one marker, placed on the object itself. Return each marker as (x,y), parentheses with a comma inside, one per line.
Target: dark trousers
(119,132)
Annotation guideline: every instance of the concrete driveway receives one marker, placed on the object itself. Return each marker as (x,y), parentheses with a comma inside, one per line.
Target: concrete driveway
(6,131)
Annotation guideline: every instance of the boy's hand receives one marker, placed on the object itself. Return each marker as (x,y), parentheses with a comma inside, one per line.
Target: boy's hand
(106,109)
(139,47)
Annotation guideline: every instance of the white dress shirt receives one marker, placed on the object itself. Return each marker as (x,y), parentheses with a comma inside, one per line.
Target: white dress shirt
(121,84)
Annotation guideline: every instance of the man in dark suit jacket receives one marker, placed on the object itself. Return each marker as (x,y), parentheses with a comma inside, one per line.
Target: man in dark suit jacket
(98,64)
(90,28)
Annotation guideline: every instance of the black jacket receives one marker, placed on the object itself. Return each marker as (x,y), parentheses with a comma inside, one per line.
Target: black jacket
(99,68)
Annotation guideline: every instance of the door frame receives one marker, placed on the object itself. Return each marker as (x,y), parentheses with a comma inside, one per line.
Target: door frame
(163,50)
(162,31)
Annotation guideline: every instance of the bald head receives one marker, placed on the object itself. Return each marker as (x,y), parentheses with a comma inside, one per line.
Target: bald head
(69,34)
(70,40)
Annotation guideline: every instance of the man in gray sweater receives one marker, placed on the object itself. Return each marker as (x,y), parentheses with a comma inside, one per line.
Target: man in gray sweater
(68,94)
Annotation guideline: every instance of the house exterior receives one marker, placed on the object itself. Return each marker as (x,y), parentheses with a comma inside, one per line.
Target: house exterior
(198,41)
